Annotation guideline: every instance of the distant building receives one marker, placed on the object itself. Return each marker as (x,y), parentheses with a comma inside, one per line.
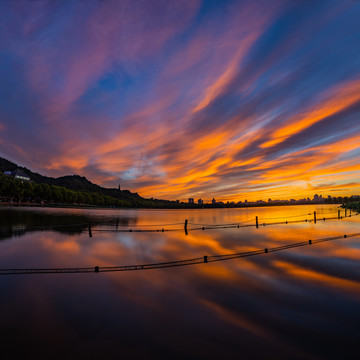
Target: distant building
(191,200)
(200,202)
(18,174)
(213,201)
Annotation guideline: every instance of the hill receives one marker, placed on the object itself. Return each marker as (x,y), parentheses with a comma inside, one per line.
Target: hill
(80,188)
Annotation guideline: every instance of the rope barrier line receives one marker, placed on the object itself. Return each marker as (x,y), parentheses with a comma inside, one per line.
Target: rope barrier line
(143,225)
(186,262)
(133,230)
(293,216)
(219,226)
(39,227)
(137,225)
(236,223)
(161,227)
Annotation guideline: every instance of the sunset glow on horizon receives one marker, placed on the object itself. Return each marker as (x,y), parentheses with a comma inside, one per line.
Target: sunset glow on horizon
(230,100)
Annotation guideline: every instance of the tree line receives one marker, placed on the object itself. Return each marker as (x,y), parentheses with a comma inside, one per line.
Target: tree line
(15,190)
(354,204)
(342,199)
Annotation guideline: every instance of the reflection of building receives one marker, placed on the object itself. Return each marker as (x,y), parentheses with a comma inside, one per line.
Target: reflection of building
(191,200)
(18,174)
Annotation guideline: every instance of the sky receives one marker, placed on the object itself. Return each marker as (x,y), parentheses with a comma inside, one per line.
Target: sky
(230,100)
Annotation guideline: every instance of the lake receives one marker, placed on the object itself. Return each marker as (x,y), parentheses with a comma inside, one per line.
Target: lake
(298,303)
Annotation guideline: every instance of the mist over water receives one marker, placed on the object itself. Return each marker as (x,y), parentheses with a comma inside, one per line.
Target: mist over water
(298,303)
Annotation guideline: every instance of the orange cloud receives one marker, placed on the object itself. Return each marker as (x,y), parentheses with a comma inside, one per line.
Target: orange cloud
(338,99)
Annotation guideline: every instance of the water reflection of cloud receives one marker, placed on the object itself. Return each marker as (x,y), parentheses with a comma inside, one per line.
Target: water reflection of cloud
(296,303)
(316,278)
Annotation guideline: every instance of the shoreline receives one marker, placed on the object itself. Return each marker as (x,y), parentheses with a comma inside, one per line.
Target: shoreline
(199,207)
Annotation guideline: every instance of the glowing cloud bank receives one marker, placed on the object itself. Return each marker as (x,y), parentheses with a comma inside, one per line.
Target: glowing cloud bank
(175,99)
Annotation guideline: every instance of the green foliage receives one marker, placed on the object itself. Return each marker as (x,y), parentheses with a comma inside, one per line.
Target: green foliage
(18,191)
(353,204)
(72,190)
(14,190)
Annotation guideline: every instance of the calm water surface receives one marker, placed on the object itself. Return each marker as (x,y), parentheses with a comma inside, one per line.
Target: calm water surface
(301,303)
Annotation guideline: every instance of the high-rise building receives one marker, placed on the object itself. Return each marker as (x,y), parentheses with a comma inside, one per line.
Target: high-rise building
(191,200)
